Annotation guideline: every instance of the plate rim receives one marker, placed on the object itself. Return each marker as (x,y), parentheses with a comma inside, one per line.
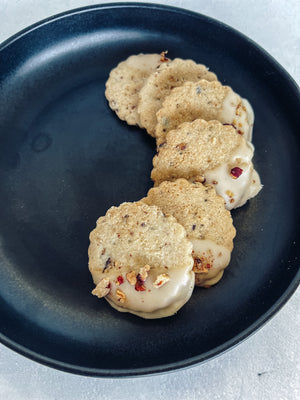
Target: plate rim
(147,5)
(166,368)
(237,339)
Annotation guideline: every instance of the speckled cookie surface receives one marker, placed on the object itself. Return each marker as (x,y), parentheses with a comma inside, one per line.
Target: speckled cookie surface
(197,208)
(205,100)
(213,152)
(203,215)
(193,100)
(160,84)
(124,84)
(194,148)
(133,250)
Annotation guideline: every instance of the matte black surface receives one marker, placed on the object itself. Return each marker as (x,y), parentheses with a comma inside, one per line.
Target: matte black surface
(65,158)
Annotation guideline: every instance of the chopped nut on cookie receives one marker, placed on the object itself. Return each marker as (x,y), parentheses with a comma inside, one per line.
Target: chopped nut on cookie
(143,272)
(131,277)
(161,280)
(102,289)
(121,296)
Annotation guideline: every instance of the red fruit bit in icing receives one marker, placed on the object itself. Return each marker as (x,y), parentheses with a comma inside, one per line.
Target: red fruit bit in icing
(120,280)
(236,172)
(139,286)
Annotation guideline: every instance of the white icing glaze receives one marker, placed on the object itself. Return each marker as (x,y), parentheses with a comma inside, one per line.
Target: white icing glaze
(217,256)
(214,280)
(237,191)
(153,302)
(144,62)
(255,185)
(239,113)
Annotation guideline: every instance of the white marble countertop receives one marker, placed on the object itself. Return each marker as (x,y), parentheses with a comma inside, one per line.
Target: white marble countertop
(265,366)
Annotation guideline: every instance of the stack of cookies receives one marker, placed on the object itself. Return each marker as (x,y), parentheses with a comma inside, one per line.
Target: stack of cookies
(145,257)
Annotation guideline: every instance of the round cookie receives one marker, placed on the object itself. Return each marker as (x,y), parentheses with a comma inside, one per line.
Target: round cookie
(211,152)
(161,82)
(208,224)
(141,261)
(205,100)
(125,82)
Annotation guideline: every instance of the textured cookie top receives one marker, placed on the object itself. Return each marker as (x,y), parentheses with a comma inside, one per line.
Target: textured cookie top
(205,100)
(134,234)
(193,100)
(125,82)
(197,208)
(193,148)
(161,82)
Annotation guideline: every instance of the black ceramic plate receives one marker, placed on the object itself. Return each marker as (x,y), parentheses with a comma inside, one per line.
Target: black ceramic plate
(65,158)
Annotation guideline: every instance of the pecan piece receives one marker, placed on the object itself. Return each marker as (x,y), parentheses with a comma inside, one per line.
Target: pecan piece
(102,289)
(121,296)
(131,277)
(143,272)
(239,109)
(161,280)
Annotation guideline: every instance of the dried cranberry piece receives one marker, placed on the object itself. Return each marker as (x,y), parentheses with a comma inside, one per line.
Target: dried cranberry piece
(139,286)
(236,172)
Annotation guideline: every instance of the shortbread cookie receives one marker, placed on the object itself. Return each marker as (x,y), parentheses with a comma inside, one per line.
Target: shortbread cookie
(125,82)
(207,222)
(210,152)
(161,82)
(141,261)
(205,100)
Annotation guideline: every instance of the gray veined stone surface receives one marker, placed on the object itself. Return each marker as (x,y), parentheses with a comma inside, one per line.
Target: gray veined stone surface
(265,366)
